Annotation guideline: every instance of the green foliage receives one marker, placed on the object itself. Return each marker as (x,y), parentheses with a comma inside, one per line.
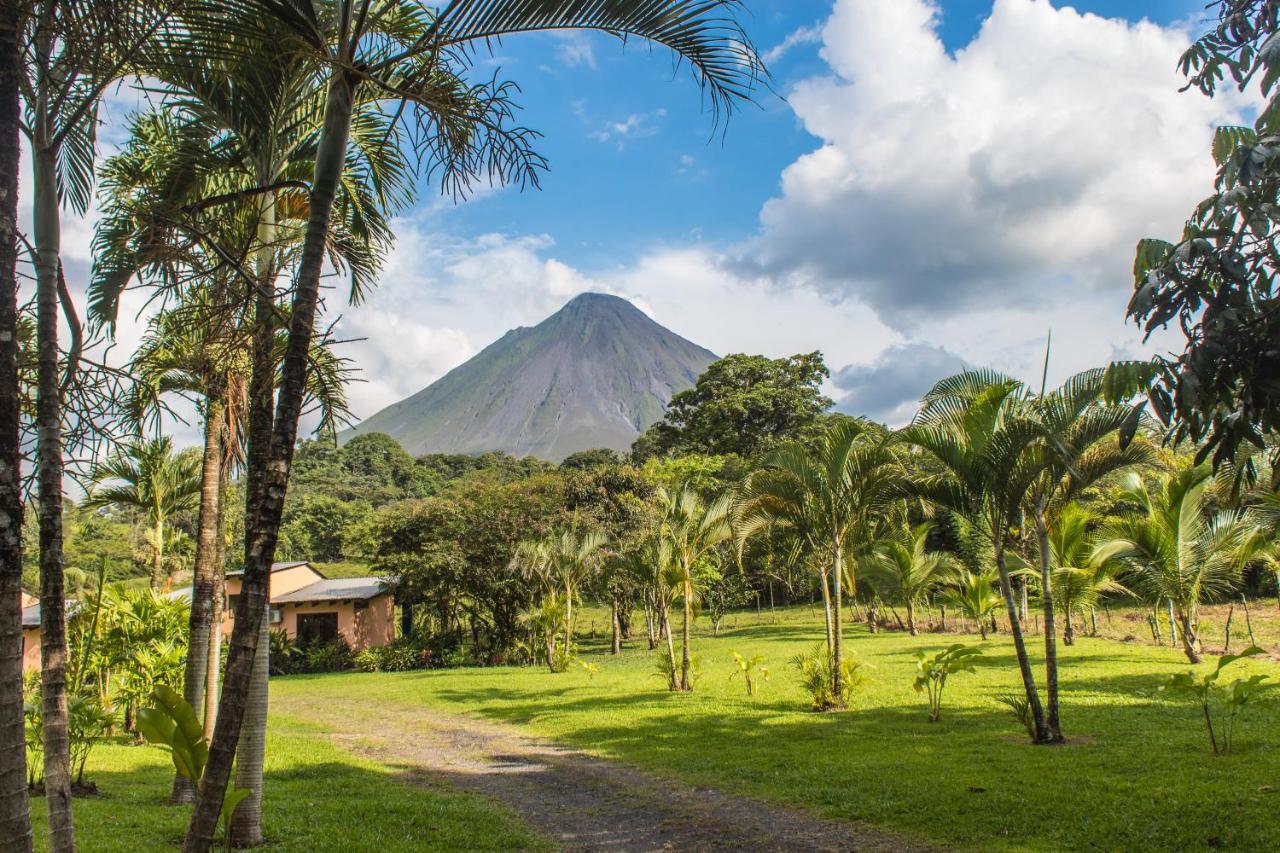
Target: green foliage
(87,722)
(743,405)
(1229,699)
(1217,279)
(400,656)
(1020,710)
(669,671)
(816,674)
(976,596)
(932,673)
(586,460)
(288,657)
(172,723)
(752,670)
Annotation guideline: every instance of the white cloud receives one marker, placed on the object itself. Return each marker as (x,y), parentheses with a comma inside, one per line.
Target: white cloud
(574,50)
(804,35)
(1019,171)
(634,126)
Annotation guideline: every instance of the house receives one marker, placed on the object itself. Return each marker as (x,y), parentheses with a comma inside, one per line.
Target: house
(30,632)
(305,604)
(309,607)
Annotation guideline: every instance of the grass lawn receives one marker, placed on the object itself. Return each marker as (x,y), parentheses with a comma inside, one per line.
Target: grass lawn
(319,798)
(1137,775)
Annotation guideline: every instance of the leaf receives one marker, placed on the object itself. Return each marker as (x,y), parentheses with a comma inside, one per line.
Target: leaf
(1227,139)
(234,797)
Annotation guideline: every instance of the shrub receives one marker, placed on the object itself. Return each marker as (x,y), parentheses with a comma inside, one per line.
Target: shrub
(333,656)
(662,667)
(87,722)
(751,670)
(816,671)
(401,656)
(285,655)
(932,672)
(1020,709)
(1231,698)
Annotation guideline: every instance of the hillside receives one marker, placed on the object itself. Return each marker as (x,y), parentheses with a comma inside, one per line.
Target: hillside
(596,373)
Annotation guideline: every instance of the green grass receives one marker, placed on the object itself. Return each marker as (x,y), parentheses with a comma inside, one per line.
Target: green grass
(1137,775)
(319,798)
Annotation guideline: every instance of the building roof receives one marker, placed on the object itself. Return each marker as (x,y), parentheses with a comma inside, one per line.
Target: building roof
(337,589)
(31,613)
(280,567)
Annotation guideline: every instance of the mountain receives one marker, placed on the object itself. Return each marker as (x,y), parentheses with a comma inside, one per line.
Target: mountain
(596,373)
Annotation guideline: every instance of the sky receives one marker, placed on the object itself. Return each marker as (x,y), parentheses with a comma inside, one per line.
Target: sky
(926,186)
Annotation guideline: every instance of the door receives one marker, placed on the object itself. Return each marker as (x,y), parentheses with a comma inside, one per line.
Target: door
(317,628)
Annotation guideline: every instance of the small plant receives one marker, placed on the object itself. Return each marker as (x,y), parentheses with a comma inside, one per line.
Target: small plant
(401,656)
(1020,708)
(87,722)
(662,665)
(932,672)
(590,668)
(751,670)
(816,670)
(172,723)
(1231,697)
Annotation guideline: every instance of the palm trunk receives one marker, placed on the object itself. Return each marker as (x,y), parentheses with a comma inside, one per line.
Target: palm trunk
(826,612)
(53,626)
(214,666)
(837,648)
(157,555)
(685,658)
(1069,627)
(911,618)
(1053,730)
(1020,647)
(1190,640)
(270,481)
(15,808)
(568,623)
(664,628)
(246,821)
(616,646)
(202,582)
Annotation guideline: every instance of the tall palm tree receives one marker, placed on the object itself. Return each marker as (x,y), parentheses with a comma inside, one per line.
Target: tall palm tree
(981,434)
(15,809)
(692,527)
(146,475)
(412,55)
(831,496)
(1180,551)
(905,568)
(562,564)
(1083,568)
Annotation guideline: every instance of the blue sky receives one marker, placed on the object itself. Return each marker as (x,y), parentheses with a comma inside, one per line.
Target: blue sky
(671,176)
(931,184)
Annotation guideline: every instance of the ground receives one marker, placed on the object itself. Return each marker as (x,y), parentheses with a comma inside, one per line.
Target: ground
(520,758)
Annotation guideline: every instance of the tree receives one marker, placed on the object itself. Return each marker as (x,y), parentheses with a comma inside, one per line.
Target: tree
(741,404)
(421,59)
(561,564)
(15,810)
(832,496)
(1218,280)
(586,460)
(1083,569)
(976,595)
(905,568)
(692,527)
(146,475)
(979,431)
(1179,551)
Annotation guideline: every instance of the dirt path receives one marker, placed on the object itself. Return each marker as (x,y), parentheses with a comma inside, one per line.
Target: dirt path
(580,802)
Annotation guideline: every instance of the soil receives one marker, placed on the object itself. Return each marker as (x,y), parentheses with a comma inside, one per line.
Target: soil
(578,801)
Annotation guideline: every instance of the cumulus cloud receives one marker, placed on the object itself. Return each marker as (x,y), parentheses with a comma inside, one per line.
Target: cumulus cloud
(1019,170)
(889,388)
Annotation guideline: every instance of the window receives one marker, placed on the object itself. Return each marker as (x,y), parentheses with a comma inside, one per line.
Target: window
(277,615)
(317,627)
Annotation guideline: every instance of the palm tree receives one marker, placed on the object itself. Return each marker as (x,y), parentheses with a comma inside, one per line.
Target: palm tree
(562,564)
(976,596)
(830,496)
(418,57)
(982,435)
(1181,552)
(147,476)
(692,527)
(1083,569)
(903,567)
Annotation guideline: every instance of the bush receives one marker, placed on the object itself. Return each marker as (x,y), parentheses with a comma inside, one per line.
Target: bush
(401,656)
(87,723)
(817,671)
(1020,709)
(333,656)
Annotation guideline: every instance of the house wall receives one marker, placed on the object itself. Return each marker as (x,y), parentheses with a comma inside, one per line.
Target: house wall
(370,626)
(30,649)
(282,582)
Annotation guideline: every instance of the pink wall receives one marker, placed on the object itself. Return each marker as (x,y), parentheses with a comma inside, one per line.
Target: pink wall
(371,626)
(30,649)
